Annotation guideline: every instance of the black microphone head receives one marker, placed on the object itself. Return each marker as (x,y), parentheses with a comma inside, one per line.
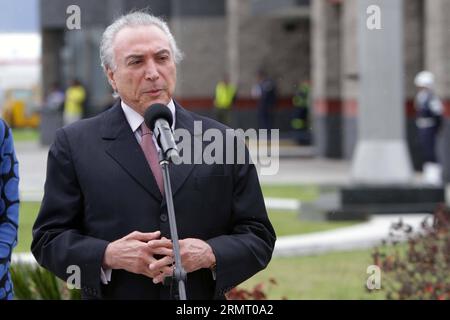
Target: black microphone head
(157,111)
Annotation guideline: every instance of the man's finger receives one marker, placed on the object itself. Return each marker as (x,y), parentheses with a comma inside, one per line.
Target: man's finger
(166,272)
(162,251)
(161,263)
(160,243)
(141,236)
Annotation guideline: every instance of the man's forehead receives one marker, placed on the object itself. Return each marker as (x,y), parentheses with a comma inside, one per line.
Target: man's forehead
(141,38)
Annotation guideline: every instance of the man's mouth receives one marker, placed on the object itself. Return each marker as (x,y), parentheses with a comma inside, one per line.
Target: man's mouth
(153,92)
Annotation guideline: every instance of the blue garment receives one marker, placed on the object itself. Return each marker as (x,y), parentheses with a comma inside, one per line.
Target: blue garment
(267,102)
(429,111)
(9,208)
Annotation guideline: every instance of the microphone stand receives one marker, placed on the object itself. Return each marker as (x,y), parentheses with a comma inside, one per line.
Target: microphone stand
(179,274)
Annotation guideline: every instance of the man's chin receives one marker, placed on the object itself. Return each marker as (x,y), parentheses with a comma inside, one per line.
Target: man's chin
(162,100)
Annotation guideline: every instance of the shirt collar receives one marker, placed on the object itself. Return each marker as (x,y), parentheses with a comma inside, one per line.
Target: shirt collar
(135,119)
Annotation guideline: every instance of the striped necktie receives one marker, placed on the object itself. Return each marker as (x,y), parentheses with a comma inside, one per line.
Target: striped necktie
(151,154)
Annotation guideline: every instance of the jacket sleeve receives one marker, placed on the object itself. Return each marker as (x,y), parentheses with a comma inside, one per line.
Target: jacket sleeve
(59,243)
(9,199)
(248,248)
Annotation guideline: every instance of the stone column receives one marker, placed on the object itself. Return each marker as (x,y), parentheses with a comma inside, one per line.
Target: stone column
(349,76)
(381,156)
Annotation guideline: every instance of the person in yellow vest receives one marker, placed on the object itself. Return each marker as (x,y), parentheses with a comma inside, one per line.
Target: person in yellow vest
(224,99)
(73,105)
(300,122)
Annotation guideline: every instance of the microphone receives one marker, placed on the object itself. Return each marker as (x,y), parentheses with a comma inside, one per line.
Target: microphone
(158,119)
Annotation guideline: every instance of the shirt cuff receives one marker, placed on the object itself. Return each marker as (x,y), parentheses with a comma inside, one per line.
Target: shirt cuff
(105,275)
(213,272)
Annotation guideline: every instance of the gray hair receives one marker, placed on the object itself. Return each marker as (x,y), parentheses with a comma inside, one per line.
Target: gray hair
(133,19)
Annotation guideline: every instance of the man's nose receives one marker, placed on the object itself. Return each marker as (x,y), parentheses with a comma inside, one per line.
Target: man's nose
(151,71)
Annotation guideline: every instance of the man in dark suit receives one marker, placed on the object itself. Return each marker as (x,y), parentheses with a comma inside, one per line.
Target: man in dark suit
(103,209)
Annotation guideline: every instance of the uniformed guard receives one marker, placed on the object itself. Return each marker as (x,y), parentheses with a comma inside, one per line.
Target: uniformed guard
(429,112)
(300,119)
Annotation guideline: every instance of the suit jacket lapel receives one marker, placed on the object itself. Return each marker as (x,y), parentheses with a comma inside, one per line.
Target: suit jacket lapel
(179,173)
(126,151)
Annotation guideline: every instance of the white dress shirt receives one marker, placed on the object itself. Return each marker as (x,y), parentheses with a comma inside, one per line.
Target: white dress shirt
(135,120)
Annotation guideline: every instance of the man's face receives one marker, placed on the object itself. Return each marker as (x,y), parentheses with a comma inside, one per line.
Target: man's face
(145,69)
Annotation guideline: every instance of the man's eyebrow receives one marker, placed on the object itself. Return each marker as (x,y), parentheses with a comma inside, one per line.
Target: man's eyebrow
(140,56)
(162,51)
(134,56)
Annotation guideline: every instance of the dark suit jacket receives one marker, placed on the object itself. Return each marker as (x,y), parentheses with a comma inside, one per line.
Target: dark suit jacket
(100,188)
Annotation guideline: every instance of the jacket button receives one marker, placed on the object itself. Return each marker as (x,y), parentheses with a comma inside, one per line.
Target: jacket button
(163,217)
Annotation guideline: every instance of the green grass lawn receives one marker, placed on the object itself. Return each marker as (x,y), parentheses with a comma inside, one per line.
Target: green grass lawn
(25,134)
(338,275)
(27,216)
(287,223)
(299,192)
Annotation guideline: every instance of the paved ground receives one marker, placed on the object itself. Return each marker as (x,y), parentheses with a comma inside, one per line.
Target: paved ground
(32,167)
(310,171)
(360,236)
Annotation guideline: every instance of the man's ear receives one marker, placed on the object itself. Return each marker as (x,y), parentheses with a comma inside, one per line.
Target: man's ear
(111,80)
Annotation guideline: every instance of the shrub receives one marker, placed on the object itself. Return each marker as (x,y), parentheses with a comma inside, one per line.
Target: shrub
(419,269)
(32,282)
(258,292)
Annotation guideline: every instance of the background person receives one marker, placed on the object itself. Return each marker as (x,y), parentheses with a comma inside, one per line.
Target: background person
(300,121)
(429,112)
(74,104)
(55,99)
(266,92)
(225,96)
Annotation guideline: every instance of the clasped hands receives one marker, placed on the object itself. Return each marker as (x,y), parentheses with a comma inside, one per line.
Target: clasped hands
(151,255)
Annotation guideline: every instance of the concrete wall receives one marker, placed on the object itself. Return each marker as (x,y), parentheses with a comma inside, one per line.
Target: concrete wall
(203,43)
(282,48)
(277,43)
(326,77)
(437,44)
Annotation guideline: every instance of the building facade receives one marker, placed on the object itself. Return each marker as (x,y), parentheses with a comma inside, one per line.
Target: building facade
(234,37)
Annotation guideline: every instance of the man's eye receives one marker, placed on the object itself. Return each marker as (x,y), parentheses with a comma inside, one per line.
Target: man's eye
(164,58)
(134,62)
